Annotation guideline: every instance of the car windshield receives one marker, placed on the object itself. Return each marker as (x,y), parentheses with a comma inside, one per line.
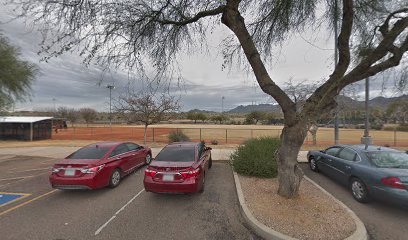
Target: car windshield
(389,159)
(176,154)
(89,153)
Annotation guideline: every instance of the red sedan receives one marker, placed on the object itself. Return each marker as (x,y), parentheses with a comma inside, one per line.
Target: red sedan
(99,165)
(179,167)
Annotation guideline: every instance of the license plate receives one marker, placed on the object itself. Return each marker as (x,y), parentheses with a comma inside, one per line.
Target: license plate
(168,177)
(69,172)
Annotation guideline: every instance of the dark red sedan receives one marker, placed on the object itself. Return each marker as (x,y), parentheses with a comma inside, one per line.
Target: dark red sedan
(99,165)
(179,168)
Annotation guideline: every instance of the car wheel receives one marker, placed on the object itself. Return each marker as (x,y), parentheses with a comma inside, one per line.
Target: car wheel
(148,159)
(359,190)
(313,165)
(210,163)
(202,185)
(115,178)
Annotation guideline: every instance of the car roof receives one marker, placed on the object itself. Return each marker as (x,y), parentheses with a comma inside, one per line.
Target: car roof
(368,148)
(104,144)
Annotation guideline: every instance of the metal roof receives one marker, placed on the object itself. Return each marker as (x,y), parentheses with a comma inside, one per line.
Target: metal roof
(22,119)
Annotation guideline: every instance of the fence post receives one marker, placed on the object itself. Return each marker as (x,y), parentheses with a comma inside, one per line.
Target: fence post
(226,136)
(200,134)
(153,134)
(395,137)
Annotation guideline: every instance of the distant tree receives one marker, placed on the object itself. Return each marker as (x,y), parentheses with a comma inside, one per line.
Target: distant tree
(72,116)
(398,111)
(16,75)
(254,117)
(147,108)
(202,117)
(88,114)
(219,118)
(62,112)
(193,116)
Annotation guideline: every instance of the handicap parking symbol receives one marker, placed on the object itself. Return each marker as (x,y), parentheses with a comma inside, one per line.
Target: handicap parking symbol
(7,198)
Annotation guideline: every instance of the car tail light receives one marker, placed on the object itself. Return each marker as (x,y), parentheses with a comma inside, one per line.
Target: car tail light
(393,182)
(150,173)
(92,169)
(191,173)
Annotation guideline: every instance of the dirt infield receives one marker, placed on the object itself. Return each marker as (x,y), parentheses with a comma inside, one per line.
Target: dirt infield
(223,134)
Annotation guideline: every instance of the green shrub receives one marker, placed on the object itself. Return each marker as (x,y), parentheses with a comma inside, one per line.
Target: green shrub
(256,157)
(178,137)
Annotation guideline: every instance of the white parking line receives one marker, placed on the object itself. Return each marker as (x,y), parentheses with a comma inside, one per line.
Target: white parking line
(117,212)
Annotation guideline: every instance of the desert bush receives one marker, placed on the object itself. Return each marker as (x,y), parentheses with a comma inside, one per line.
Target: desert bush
(256,157)
(214,142)
(178,137)
(402,127)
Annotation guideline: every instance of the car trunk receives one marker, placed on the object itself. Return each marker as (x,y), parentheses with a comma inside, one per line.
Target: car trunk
(170,171)
(72,168)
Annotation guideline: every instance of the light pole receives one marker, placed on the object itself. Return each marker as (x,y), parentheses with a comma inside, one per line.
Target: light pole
(222,104)
(110,87)
(366,139)
(53,100)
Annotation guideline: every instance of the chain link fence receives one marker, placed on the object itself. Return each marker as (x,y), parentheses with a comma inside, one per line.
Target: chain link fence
(324,136)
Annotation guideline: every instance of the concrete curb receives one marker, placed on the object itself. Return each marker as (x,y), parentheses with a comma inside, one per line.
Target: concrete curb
(268,233)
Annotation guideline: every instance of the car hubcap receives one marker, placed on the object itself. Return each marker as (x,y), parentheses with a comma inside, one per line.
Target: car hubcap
(312,164)
(358,190)
(148,159)
(115,178)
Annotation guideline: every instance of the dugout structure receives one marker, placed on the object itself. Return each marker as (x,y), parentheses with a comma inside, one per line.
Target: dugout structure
(25,128)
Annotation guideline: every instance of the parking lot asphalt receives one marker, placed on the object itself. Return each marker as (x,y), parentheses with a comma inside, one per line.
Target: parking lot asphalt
(382,220)
(126,212)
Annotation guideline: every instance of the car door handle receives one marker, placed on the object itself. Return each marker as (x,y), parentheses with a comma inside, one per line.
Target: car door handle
(133,154)
(118,158)
(329,160)
(348,167)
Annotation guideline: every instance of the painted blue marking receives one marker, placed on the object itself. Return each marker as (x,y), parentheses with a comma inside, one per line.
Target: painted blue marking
(5,198)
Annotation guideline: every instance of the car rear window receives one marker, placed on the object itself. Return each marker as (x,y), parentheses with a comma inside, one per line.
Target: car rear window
(385,159)
(176,154)
(89,153)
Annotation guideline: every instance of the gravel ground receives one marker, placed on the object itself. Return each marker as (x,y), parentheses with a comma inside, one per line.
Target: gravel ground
(313,215)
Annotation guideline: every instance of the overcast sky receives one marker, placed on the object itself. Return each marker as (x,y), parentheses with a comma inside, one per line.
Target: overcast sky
(64,81)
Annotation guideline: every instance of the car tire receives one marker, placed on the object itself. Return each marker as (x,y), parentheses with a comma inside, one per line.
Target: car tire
(202,185)
(210,162)
(313,164)
(359,190)
(115,178)
(148,159)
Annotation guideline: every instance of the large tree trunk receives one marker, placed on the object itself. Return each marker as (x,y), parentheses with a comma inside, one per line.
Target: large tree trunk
(289,173)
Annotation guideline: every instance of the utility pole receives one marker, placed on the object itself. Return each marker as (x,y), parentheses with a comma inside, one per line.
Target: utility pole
(110,87)
(366,139)
(222,104)
(336,117)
